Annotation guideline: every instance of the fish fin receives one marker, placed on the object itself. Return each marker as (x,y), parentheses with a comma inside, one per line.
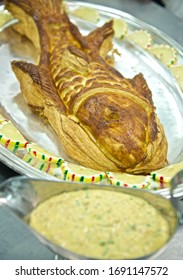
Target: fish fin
(75,60)
(79,146)
(39,7)
(100,40)
(36,86)
(142,87)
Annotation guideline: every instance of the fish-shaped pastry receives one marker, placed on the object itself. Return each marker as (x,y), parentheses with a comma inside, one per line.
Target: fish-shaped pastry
(103,120)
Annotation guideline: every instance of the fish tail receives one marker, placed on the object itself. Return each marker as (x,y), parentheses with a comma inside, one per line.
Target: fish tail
(38,8)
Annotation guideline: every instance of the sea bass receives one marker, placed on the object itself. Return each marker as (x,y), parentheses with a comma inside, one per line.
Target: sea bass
(103,120)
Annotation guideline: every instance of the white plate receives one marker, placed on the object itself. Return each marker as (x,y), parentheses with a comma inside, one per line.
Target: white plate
(167,95)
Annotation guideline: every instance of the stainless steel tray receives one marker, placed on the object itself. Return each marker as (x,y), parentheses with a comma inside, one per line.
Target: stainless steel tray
(167,95)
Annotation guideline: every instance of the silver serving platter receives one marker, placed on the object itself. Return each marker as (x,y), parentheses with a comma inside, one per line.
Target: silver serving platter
(167,95)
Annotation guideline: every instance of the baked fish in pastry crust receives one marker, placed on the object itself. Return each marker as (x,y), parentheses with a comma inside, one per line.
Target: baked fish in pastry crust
(103,120)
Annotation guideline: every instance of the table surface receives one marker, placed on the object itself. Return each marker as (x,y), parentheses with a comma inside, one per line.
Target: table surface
(16,242)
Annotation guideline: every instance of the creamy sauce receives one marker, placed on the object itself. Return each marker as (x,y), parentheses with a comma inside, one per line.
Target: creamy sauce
(101,224)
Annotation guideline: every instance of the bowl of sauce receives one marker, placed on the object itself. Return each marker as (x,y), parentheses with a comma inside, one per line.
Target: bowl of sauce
(78,221)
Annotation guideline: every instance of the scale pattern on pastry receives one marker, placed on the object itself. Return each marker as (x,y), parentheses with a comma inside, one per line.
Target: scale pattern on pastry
(96,112)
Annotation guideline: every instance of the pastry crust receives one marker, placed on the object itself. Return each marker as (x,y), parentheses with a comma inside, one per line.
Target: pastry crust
(103,120)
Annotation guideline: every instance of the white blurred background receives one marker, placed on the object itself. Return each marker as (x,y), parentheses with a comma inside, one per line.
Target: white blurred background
(174,6)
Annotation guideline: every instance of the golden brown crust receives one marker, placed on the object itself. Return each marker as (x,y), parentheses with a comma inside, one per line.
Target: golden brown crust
(36,84)
(104,121)
(26,26)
